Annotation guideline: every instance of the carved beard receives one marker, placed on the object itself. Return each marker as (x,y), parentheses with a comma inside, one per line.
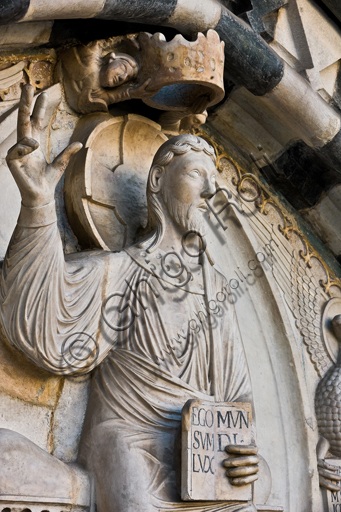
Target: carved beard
(188,217)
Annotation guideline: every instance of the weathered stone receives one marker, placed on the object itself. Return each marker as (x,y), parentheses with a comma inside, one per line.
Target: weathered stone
(168,75)
(21,379)
(70,325)
(175,335)
(97,183)
(332,499)
(69,417)
(207,428)
(37,420)
(29,474)
(25,35)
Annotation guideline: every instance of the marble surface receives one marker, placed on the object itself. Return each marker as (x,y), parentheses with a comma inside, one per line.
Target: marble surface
(93,388)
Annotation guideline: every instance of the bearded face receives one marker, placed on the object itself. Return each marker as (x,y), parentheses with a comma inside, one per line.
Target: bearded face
(188,217)
(181,188)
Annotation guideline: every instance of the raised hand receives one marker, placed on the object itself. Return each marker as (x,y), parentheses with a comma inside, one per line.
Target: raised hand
(36,179)
(242,465)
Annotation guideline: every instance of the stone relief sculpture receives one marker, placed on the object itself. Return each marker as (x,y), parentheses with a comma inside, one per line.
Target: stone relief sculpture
(97,183)
(173,123)
(166,75)
(327,401)
(306,301)
(127,316)
(135,318)
(321,334)
(318,322)
(93,82)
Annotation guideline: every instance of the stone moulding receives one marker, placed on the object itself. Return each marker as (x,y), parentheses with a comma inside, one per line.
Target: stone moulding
(307,286)
(32,504)
(263,201)
(35,69)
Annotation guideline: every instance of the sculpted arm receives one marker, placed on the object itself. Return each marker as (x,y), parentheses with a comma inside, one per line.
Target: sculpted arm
(48,308)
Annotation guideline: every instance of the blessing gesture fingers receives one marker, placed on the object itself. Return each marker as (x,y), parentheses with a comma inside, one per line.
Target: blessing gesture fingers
(242,465)
(36,179)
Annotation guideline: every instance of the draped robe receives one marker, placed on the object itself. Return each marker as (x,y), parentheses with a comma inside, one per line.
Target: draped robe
(153,340)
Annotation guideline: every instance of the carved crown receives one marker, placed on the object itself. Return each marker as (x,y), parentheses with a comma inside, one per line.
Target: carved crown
(183,70)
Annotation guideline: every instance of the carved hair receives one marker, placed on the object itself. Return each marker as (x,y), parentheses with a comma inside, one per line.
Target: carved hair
(128,62)
(175,146)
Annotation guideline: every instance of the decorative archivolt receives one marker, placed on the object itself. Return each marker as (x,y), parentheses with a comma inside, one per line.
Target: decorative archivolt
(263,202)
(309,290)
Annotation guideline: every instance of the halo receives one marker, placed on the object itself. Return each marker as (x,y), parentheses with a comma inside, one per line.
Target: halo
(105,189)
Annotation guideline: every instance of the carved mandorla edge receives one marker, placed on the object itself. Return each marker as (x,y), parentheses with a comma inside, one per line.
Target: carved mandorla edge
(262,200)
(305,301)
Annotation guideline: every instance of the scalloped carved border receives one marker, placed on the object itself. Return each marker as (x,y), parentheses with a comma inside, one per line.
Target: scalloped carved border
(263,201)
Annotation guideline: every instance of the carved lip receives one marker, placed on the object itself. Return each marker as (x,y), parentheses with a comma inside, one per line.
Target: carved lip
(203,207)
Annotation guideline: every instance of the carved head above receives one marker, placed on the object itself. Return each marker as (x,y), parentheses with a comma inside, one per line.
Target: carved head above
(182,176)
(176,75)
(175,122)
(97,74)
(117,68)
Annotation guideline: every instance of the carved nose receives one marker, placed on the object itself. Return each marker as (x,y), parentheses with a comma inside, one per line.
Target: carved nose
(208,190)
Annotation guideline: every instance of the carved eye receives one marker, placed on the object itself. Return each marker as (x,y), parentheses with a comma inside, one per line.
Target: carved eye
(194,173)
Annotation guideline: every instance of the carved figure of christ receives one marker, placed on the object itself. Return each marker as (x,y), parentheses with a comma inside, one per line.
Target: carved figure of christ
(142,375)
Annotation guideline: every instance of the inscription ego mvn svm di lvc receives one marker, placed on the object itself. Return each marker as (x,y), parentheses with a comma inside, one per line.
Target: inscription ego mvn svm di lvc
(207,428)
